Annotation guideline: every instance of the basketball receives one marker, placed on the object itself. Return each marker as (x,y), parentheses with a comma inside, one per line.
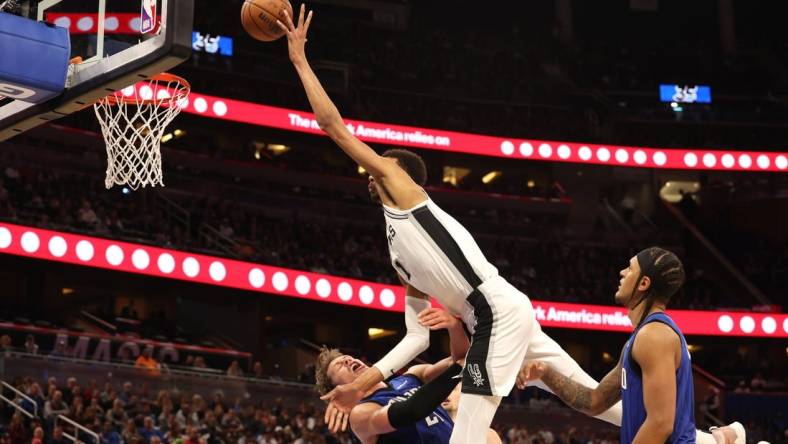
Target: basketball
(259,18)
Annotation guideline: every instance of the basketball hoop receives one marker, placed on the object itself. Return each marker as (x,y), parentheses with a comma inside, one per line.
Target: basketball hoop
(133,122)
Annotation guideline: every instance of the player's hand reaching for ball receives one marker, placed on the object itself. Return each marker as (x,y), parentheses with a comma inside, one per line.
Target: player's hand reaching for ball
(296,36)
(530,371)
(437,319)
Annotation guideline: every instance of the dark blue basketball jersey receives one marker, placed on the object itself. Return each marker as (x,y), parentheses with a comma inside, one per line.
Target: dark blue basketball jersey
(434,429)
(632,390)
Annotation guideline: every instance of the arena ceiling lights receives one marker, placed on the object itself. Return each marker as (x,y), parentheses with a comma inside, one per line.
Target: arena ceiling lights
(172,264)
(515,148)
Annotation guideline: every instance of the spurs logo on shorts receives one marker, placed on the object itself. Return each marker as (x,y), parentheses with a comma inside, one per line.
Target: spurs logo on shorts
(476,374)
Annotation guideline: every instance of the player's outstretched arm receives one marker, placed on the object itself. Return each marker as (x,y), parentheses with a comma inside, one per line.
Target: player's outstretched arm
(417,336)
(326,113)
(654,350)
(584,399)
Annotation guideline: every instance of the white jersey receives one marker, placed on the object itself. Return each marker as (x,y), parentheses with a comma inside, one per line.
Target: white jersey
(436,254)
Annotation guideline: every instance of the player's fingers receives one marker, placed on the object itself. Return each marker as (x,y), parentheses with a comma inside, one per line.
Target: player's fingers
(308,21)
(429,315)
(428,319)
(431,323)
(339,423)
(301,16)
(532,373)
(282,27)
(332,420)
(425,312)
(344,422)
(288,21)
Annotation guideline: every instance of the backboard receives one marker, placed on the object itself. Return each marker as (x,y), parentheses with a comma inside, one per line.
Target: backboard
(115,53)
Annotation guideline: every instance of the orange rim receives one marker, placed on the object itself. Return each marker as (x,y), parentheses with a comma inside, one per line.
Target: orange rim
(181,89)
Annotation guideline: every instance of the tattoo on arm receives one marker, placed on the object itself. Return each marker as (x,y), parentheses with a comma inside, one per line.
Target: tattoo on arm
(609,389)
(573,394)
(585,399)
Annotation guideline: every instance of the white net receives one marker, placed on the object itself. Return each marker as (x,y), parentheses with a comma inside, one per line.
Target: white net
(133,121)
(8,5)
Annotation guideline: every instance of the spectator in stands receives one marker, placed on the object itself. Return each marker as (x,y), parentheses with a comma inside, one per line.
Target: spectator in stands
(107,396)
(185,416)
(77,407)
(17,433)
(742,387)
(60,349)
(117,415)
(257,370)
(199,363)
(55,406)
(758,382)
(128,311)
(129,433)
(38,436)
(86,216)
(149,431)
(95,405)
(711,405)
(146,360)
(34,393)
(211,428)
(109,435)
(68,392)
(218,400)
(5,343)
(235,370)
(126,393)
(57,436)
(30,345)
(124,356)
(232,424)
(308,375)
(192,436)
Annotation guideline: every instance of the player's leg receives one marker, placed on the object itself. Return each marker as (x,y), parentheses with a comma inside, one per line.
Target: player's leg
(474,416)
(504,320)
(544,348)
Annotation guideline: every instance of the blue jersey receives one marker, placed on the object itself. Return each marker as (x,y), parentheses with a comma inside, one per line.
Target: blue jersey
(434,429)
(632,390)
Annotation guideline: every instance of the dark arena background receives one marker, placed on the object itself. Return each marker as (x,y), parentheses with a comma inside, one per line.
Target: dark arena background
(565,135)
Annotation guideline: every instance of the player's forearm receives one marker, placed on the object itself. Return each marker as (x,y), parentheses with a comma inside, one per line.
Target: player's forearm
(653,431)
(574,394)
(366,380)
(416,340)
(326,113)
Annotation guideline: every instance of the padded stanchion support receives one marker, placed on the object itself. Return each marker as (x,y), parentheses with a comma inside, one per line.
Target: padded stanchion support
(33,59)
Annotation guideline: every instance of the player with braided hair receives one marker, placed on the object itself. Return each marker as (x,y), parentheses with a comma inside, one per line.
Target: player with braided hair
(653,378)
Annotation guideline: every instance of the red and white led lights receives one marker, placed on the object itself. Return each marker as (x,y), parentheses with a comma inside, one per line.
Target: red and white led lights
(687,159)
(173,264)
(87,23)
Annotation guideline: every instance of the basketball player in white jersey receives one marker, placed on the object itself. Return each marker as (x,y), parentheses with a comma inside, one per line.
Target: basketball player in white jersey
(433,253)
